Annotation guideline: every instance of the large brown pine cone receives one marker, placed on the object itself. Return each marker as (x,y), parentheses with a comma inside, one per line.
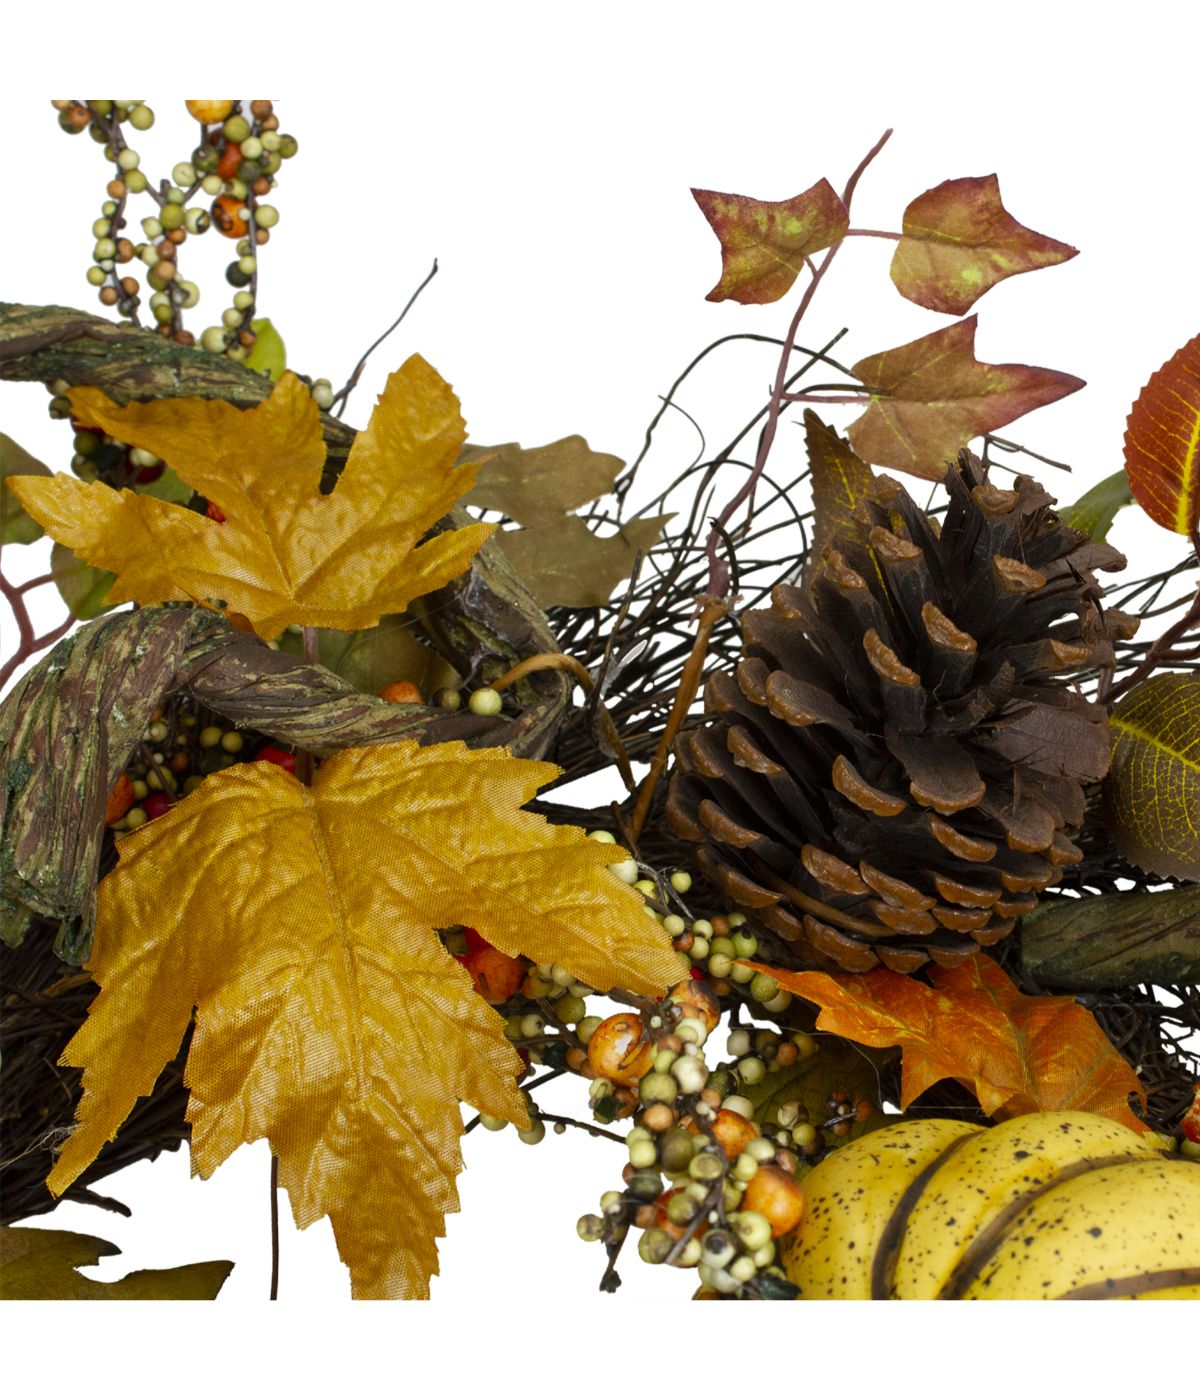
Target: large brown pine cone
(893,771)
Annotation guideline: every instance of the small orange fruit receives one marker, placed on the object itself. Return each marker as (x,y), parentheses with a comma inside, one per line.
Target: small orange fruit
(776,1194)
(402,693)
(227,216)
(119,800)
(210,110)
(619,1048)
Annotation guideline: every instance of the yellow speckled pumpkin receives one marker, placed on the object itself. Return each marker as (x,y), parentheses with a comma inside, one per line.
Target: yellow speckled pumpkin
(1048,1205)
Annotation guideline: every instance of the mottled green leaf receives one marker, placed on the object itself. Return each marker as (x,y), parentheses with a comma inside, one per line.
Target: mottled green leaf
(565,564)
(1094,512)
(535,485)
(82,586)
(764,242)
(44,1264)
(267,352)
(1152,792)
(16,527)
(959,240)
(929,398)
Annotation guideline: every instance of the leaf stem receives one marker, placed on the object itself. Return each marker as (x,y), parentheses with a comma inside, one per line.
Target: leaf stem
(274,1228)
(872,233)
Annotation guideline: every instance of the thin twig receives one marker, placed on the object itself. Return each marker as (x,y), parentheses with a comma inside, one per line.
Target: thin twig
(340,399)
(274,1228)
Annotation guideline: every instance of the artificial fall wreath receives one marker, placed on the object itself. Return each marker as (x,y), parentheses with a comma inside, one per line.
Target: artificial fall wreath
(919,814)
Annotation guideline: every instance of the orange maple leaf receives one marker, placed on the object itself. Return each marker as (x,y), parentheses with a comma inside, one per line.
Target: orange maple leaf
(1016,1054)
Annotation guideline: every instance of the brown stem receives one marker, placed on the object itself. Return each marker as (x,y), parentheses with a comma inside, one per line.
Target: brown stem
(689,684)
(718,575)
(274,1228)
(1160,653)
(872,233)
(546,661)
(28,644)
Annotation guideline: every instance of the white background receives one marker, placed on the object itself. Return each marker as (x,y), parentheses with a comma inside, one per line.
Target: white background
(544,153)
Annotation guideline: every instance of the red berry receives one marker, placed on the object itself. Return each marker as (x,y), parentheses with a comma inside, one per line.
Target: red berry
(475,940)
(155,805)
(214,512)
(280,757)
(149,474)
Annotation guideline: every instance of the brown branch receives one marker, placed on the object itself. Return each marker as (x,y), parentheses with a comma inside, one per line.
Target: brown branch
(28,643)
(689,684)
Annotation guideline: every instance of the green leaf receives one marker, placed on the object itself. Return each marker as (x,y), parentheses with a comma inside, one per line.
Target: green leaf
(83,588)
(1093,513)
(168,487)
(837,1066)
(378,656)
(535,485)
(566,565)
(16,527)
(1114,940)
(267,352)
(1152,792)
(43,1264)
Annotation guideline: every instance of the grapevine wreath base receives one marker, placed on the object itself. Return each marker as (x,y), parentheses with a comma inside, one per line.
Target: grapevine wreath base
(894,762)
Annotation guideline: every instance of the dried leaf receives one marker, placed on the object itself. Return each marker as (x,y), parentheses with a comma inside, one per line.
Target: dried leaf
(1114,940)
(16,525)
(284,552)
(536,485)
(929,398)
(959,240)
(83,588)
(567,565)
(43,1264)
(267,354)
(1152,792)
(329,1017)
(840,480)
(1162,443)
(837,1067)
(1016,1054)
(764,242)
(1094,512)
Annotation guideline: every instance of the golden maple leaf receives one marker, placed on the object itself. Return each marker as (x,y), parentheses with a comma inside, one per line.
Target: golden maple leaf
(284,552)
(299,923)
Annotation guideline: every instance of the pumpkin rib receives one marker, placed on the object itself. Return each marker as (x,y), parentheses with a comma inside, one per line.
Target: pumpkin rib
(986,1242)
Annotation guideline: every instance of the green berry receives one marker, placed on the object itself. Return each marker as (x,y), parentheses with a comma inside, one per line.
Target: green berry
(681,881)
(236,129)
(105,248)
(534,1133)
(493,1125)
(171,216)
(184,173)
(141,117)
(266,216)
(673,925)
(589,1228)
(214,339)
(486,702)
(626,870)
(135,817)
(587,1028)
(606,838)
(657,1087)
(232,742)
(128,159)
(751,1070)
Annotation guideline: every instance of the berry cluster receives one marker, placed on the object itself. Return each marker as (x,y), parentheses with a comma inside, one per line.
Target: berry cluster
(233,167)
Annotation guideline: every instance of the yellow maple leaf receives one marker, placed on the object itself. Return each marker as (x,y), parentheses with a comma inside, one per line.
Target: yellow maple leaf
(284,553)
(299,923)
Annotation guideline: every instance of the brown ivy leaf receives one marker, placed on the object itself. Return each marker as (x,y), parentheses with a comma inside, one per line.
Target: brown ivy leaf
(1162,443)
(284,553)
(536,485)
(764,242)
(300,923)
(959,240)
(929,398)
(567,564)
(1152,792)
(840,480)
(1016,1054)
(43,1264)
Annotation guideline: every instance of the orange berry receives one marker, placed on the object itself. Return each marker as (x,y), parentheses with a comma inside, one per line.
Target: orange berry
(776,1194)
(494,974)
(697,999)
(402,693)
(210,110)
(119,800)
(620,1049)
(733,1132)
(231,158)
(227,216)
